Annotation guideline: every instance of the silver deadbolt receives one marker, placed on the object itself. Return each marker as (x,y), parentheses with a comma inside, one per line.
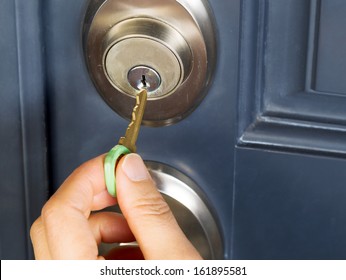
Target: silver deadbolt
(166,46)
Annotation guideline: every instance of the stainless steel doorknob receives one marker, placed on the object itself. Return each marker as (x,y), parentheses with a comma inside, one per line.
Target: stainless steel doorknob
(166,46)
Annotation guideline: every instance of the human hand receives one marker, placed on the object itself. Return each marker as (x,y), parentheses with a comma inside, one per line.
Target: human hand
(68,228)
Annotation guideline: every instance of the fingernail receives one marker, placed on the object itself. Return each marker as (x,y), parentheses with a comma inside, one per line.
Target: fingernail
(134,168)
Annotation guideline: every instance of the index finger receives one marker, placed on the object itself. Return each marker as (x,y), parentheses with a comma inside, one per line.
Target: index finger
(69,208)
(85,188)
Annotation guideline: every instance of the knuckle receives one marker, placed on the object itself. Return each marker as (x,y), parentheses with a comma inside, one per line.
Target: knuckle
(153,207)
(35,227)
(49,211)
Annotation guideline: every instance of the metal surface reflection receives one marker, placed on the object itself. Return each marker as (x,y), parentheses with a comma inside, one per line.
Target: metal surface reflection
(173,38)
(191,209)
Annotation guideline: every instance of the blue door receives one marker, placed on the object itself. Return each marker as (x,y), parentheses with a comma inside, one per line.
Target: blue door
(266,145)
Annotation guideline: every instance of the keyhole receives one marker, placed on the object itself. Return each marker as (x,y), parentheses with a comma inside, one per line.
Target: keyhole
(141,77)
(144,81)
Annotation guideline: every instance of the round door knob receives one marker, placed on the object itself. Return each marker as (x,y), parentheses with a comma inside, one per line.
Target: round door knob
(166,46)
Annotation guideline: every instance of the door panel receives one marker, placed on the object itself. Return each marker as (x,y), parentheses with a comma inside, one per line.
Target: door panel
(288,206)
(24,186)
(282,105)
(330,51)
(83,126)
(266,145)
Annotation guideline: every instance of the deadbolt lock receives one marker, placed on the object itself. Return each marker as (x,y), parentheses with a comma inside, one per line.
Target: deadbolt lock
(168,47)
(141,49)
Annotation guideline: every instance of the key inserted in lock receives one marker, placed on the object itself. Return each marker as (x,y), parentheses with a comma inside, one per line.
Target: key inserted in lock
(134,50)
(140,77)
(167,47)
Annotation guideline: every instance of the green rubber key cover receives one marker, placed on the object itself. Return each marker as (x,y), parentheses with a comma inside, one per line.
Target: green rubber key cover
(110,163)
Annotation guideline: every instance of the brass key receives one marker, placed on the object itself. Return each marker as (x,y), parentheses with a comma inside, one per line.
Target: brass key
(127,144)
(131,135)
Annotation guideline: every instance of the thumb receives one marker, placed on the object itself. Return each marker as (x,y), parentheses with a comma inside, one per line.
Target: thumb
(147,213)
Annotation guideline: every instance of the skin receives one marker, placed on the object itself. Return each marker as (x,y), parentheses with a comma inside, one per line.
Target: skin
(68,227)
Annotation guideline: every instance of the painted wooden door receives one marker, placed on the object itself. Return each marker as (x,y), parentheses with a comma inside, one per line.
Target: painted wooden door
(267,145)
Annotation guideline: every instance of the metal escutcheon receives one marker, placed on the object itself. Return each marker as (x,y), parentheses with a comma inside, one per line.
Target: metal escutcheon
(166,46)
(191,208)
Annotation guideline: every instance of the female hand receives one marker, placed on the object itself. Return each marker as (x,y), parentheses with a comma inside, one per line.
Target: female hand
(68,228)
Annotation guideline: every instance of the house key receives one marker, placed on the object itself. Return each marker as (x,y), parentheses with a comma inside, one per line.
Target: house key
(126,144)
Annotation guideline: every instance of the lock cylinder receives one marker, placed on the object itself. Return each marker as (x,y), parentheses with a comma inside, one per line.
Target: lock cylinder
(144,52)
(144,77)
(167,47)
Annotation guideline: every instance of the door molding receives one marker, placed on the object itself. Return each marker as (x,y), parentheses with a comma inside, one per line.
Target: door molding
(281,103)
